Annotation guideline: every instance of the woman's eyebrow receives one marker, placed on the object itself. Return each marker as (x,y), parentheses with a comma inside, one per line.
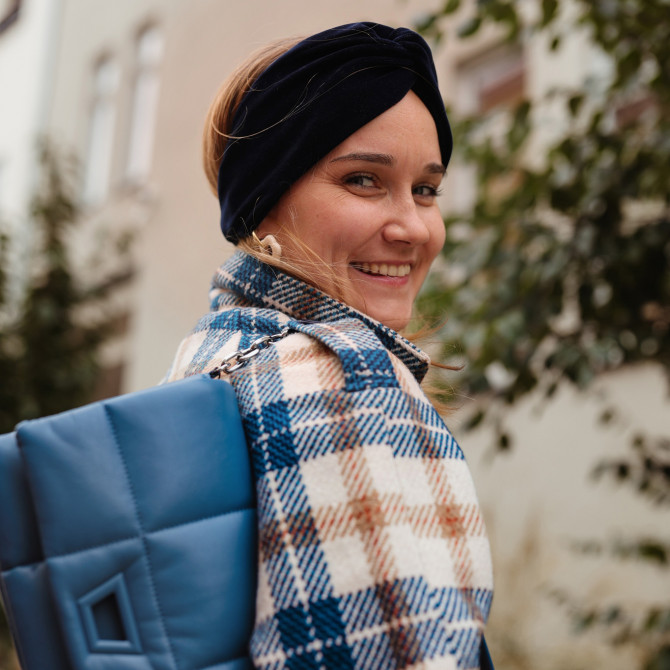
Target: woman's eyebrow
(387,160)
(436,168)
(382,159)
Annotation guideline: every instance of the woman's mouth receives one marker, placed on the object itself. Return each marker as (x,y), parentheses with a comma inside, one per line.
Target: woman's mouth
(383,269)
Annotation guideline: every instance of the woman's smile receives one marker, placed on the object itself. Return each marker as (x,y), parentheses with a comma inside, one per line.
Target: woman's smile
(383,269)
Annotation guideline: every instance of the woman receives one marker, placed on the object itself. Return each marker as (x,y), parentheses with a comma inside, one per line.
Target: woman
(327,154)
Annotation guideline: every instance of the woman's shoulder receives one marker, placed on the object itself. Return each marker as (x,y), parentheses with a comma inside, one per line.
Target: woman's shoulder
(345,347)
(366,362)
(220,333)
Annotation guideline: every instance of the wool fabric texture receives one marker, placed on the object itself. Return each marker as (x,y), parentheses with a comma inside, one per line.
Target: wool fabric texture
(311,99)
(372,548)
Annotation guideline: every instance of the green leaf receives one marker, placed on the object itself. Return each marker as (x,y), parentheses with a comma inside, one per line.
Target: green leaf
(475,420)
(654,552)
(660,659)
(575,103)
(607,416)
(450,6)
(469,27)
(549,8)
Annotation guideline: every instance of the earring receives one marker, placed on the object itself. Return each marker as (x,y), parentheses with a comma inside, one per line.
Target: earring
(269,245)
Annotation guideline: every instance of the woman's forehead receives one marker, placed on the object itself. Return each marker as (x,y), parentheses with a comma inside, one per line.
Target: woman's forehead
(406,127)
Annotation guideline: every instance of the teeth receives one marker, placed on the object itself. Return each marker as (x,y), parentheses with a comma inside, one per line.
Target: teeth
(384,269)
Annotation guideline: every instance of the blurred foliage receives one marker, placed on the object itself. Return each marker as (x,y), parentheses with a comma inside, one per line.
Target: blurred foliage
(561,270)
(49,349)
(50,339)
(620,626)
(661,661)
(649,549)
(648,469)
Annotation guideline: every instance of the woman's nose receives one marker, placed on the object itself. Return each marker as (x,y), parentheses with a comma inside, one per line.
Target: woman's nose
(406,223)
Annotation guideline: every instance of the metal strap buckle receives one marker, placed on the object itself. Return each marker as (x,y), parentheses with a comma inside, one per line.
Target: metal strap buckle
(240,358)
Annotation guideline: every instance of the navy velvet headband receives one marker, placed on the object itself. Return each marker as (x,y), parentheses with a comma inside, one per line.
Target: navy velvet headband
(310,100)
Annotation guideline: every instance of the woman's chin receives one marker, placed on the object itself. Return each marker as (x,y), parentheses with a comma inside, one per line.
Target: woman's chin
(396,317)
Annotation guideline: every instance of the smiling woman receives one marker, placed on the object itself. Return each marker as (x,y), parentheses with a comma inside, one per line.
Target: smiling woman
(327,155)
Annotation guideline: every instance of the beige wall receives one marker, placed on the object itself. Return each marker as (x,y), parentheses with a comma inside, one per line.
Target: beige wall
(540,501)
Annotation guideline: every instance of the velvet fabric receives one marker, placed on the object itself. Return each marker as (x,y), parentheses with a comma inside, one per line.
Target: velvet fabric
(310,100)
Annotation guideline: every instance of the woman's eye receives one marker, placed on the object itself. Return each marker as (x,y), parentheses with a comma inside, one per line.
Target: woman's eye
(364,180)
(426,191)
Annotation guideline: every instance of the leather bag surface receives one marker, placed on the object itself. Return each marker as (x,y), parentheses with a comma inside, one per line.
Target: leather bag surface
(122,523)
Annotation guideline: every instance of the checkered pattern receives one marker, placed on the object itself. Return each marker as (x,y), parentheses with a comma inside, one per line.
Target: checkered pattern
(372,548)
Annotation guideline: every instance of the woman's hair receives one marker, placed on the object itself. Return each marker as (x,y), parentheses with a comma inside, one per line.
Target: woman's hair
(219,118)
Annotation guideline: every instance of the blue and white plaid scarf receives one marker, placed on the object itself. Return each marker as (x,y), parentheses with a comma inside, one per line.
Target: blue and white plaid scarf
(372,548)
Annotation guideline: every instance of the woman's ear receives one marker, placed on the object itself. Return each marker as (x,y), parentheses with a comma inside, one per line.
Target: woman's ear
(270,225)
(277,220)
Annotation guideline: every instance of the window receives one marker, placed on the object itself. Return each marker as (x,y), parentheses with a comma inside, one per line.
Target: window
(486,86)
(144,105)
(491,80)
(101,131)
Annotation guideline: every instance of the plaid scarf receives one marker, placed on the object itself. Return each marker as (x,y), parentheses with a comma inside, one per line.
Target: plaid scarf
(372,548)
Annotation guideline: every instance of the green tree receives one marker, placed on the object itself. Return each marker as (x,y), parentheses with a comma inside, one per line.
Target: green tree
(564,266)
(49,342)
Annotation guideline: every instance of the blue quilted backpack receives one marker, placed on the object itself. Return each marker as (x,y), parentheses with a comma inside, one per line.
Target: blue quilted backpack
(128,533)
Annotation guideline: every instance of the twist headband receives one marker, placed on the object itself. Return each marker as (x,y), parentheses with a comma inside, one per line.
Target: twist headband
(311,99)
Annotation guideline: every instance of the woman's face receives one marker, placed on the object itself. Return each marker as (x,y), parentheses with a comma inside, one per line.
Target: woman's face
(368,212)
